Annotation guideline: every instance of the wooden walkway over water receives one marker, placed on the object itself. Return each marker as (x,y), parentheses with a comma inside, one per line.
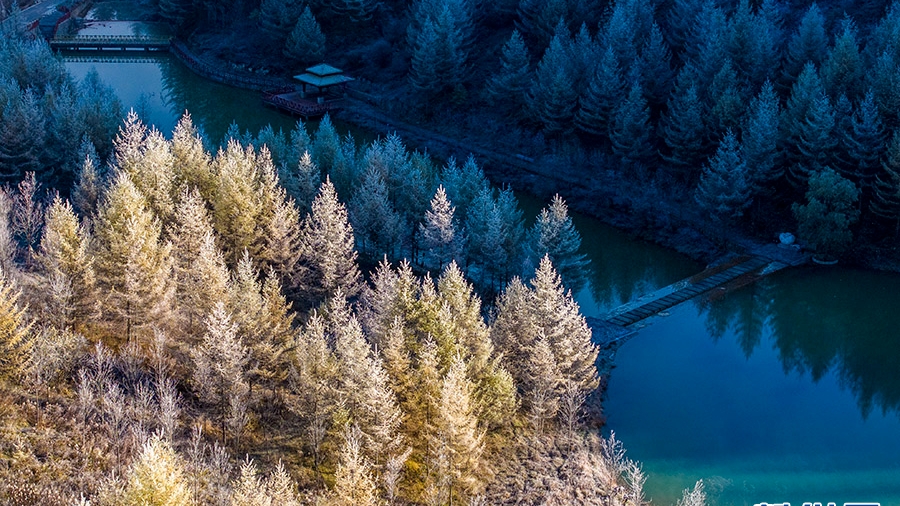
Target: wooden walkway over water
(738,271)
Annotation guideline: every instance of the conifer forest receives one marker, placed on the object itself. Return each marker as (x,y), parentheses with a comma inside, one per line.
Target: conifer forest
(286,318)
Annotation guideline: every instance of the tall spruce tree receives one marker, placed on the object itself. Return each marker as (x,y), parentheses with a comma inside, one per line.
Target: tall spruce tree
(306,42)
(554,235)
(759,142)
(327,258)
(65,259)
(602,96)
(631,134)
(441,239)
(885,202)
(724,191)
(507,88)
(842,70)
(809,44)
(552,95)
(133,263)
(684,131)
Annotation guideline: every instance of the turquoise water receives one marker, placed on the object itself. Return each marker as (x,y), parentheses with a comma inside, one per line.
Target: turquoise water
(787,390)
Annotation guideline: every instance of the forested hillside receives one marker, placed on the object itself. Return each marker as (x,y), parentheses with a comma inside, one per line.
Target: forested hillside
(279,319)
(736,107)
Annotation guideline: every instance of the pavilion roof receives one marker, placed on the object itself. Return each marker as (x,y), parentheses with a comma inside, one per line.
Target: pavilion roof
(322,75)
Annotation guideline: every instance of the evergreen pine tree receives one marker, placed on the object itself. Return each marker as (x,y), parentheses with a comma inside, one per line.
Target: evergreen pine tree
(133,264)
(375,222)
(327,259)
(808,45)
(816,141)
(885,201)
(507,88)
(759,142)
(277,18)
(684,131)
(441,239)
(601,97)
(631,133)
(23,132)
(655,66)
(842,70)
(865,144)
(458,442)
(65,258)
(15,332)
(353,483)
(88,182)
(157,478)
(306,42)
(220,366)
(554,235)
(724,191)
(191,162)
(552,95)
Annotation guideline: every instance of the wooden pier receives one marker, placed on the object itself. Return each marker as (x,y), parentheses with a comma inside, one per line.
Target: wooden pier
(744,269)
(292,102)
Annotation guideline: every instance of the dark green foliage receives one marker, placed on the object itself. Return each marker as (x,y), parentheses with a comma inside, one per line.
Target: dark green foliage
(759,142)
(306,43)
(23,134)
(809,44)
(824,221)
(603,94)
(438,57)
(885,202)
(684,131)
(631,133)
(553,96)
(842,71)
(865,144)
(724,189)
(655,67)
(507,88)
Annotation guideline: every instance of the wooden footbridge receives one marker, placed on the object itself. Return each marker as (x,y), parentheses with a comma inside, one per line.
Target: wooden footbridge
(738,271)
(111,43)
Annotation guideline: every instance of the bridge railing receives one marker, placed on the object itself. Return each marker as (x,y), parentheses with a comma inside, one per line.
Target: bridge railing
(113,39)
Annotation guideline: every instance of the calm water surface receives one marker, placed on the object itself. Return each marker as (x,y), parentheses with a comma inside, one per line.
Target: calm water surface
(787,390)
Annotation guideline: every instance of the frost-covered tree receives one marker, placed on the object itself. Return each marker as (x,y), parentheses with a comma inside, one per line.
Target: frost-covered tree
(306,42)
(220,369)
(23,132)
(724,191)
(376,224)
(133,262)
(15,331)
(553,234)
(458,442)
(88,181)
(441,240)
(66,262)
(157,478)
(327,258)
(545,312)
(353,481)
